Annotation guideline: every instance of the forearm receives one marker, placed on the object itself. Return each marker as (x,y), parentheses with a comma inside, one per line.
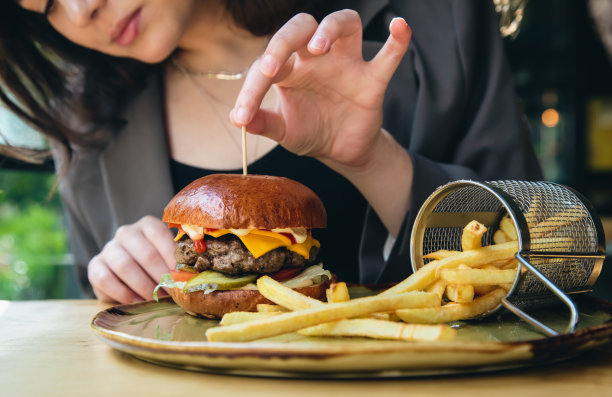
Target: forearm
(385,180)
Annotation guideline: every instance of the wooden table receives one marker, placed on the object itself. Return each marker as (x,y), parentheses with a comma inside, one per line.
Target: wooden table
(47,348)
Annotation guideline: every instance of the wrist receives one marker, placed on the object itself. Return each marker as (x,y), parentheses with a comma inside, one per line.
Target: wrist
(362,164)
(384,177)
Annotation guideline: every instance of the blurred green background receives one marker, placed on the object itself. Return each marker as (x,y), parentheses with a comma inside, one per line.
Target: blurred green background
(34,259)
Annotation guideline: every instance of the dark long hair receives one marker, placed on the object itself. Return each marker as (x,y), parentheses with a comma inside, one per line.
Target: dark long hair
(68,92)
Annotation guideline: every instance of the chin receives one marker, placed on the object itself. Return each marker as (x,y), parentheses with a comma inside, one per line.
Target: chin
(154,44)
(154,52)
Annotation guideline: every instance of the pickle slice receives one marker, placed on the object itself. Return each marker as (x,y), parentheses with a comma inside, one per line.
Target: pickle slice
(181,267)
(210,280)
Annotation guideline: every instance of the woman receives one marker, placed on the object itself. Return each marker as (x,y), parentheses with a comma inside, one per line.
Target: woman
(373,138)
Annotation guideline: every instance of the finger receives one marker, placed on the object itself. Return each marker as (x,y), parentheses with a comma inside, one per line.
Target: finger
(144,253)
(161,238)
(269,124)
(342,29)
(250,96)
(272,125)
(293,36)
(389,57)
(126,268)
(103,297)
(107,286)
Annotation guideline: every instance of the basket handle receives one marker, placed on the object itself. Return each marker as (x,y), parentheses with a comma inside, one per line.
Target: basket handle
(555,290)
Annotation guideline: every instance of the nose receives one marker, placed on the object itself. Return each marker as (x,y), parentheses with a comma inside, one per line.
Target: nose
(81,12)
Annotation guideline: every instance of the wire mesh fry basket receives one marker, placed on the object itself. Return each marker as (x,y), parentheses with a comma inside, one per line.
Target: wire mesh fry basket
(560,238)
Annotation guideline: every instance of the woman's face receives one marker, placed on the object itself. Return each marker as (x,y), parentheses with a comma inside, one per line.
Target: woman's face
(147,30)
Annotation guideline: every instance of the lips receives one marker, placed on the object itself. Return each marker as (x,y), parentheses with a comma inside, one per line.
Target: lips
(126,30)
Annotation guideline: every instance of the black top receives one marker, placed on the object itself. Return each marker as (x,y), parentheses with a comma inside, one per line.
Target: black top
(344,204)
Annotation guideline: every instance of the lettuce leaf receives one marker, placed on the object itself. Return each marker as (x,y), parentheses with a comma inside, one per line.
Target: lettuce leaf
(314,274)
(168,282)
(310,276)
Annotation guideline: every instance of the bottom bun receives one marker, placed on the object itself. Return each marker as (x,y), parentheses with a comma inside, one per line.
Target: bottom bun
(216,304)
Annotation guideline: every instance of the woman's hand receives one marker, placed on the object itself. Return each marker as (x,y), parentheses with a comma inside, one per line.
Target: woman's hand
(330,103)
(329,99)
(132,263)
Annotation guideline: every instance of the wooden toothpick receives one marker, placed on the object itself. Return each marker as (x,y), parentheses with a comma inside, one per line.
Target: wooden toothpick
(244,151)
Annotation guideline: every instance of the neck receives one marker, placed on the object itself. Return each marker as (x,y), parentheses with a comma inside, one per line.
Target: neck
(212,41)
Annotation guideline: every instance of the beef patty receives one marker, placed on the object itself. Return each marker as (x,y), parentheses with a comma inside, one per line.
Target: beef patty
(227,254)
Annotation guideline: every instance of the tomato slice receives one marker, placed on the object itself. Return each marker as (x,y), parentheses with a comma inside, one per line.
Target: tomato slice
(178,276)
(286,274)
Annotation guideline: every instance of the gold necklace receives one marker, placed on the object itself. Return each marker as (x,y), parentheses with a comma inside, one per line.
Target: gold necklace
(209,98)
(210,74)
(216,74)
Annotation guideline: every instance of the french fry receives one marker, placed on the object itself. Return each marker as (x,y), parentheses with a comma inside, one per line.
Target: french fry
(437,287)
(453,311)
(379,329)
(389,316)
(551,243)
(428,273)
(284,296)
(477,257)
(440,254)
(416,281)
(533,211)
(499,237)
(461,293)
(471,237)
(293,321)
(474,280)
(481,290)
(499,264)
(556,222)
(507,225)
(265,308)
(485,289)
(478,276)
(243,317)
(337,292)
(511,264)
(491,266)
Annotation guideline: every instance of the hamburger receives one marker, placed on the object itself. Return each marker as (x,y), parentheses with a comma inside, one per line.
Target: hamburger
(233,229)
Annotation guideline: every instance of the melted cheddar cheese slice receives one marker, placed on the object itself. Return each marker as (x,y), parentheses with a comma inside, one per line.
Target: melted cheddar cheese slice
(260,242)
(304,248)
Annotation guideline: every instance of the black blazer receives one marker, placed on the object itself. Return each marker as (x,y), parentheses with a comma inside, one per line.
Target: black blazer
(451,104)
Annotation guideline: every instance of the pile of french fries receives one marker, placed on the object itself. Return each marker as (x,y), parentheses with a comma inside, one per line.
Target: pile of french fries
(454,285)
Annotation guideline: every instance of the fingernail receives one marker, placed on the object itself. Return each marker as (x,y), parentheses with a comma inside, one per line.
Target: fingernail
(398,19)
(268,65)
(242,116)
(318,43)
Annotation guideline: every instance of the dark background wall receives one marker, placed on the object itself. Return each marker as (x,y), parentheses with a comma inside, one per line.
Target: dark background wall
(560,64)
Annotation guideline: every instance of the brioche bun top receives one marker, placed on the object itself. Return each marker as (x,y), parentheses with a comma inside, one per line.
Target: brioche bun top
(234,201)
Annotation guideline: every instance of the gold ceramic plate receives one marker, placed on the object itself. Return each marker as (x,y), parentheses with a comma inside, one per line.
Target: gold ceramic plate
(162,333)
